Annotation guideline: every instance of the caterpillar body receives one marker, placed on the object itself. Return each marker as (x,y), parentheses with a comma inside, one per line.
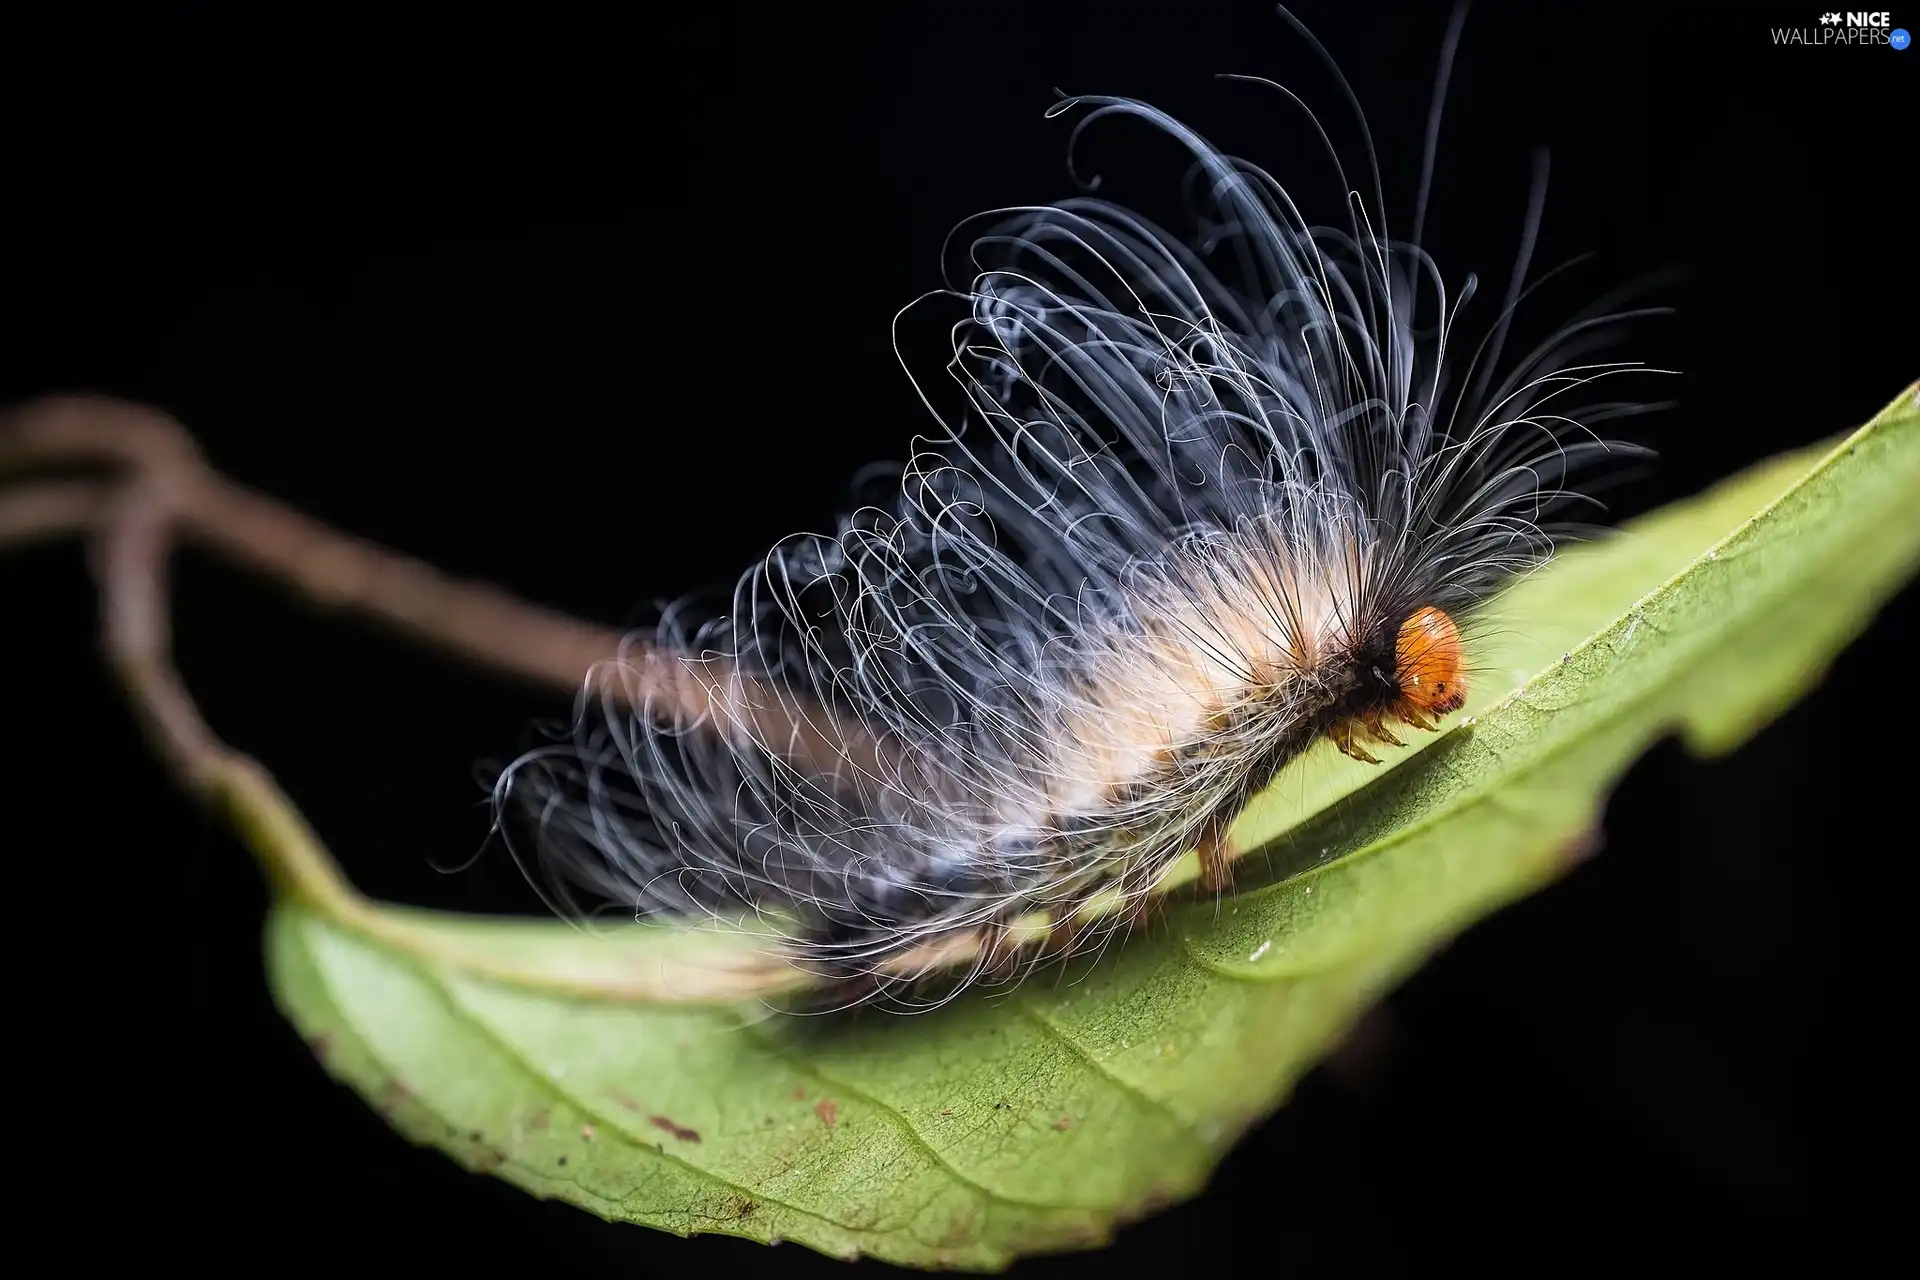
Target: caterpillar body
(1208,504)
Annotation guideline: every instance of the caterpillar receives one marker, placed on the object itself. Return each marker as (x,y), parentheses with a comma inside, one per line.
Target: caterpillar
(1210,501)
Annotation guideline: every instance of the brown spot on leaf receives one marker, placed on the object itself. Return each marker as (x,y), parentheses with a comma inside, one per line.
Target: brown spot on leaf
(1581,847)
(1153,1201)
(624,1100)
(586,1133)
(322,1045)
(799,1095)
(1361,1061)
(828,1110)
(946,1111)
(391,1096)
(538,1120)
(1063,1124)
(963,1227)
(679,1131)
(1083,1235)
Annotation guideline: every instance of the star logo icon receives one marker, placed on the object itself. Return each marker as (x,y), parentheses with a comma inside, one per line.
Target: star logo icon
(1830,19)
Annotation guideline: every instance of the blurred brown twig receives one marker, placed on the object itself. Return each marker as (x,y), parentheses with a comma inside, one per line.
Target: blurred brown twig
(149,487)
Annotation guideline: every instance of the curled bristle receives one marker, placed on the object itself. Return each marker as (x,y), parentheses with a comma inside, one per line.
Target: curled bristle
(1204,507)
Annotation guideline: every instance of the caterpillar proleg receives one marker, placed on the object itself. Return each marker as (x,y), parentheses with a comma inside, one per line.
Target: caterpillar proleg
(1214,498)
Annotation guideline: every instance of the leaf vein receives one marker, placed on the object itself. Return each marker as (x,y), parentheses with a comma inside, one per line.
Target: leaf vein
(1027,1010)
(905,1126)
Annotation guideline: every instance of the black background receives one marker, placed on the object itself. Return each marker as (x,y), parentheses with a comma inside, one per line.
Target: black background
(596,308)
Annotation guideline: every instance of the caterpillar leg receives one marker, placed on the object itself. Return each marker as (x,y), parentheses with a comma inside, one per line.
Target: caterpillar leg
(1216,859)
(1345,736)
(1410,714)
(1067,930)
(1142,906)
(1377,728)
(1069,933)
(852,990)
(1000,950)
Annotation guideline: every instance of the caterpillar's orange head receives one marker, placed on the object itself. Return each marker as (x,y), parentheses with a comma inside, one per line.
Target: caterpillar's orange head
(1428,663)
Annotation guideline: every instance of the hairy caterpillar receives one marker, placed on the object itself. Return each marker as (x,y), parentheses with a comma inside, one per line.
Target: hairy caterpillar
(1210,503)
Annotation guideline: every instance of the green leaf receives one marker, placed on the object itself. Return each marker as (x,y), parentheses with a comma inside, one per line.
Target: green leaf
(1009,1125)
